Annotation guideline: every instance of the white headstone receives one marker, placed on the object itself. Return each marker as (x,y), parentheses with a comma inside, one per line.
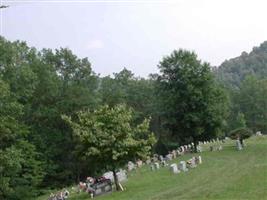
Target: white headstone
(139,163)
(156,165)
(109,175)
(193,162)
(199,160)
(130,166)
(238,145)
(169,157)
(174,168)
(152,167)
(199,149)
(148,161)
(258,133)
(164,163)
(174,154)
(122,176)
(182,166)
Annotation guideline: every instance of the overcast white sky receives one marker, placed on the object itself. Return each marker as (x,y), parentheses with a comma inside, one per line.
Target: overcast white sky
(136,34)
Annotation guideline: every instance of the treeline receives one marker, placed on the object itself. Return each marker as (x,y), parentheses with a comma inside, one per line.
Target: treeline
(37,148)
(184,102)
(245,80)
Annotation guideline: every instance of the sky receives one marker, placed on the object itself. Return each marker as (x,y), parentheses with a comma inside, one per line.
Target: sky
(137,34)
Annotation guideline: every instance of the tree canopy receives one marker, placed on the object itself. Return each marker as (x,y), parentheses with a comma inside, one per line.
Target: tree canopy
(191,103)
(107,136)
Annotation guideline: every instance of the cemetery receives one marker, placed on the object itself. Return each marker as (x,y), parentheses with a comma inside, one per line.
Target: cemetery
(133,100)
(190,175)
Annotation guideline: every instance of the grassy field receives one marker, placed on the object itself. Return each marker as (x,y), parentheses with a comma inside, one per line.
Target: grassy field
(228,174)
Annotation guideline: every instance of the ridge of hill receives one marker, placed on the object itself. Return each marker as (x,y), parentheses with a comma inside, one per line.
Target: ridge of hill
(231,72)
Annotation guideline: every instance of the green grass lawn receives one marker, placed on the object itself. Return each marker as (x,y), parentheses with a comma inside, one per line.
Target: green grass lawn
(227,174)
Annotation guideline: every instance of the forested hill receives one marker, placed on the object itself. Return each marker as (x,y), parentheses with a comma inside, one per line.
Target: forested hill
(232,72)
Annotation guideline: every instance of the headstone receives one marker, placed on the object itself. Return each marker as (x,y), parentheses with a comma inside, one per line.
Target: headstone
(220,148)
(122,176)
(174,168)
(258,133)
(182,149)
(198,160)
(152,167)
(161,158)
(139,163)
(130,166)
(238,145)
(174,155)
(182,166)
(169,157)
(156,165)
(155,158)
(165,163)
(193,162)
(199,149)
(109,175)
(148,161)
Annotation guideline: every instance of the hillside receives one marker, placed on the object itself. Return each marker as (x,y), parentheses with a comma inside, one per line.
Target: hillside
(226,174)
(231,72)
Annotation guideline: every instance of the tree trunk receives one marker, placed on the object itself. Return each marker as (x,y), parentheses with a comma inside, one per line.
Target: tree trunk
(116,181)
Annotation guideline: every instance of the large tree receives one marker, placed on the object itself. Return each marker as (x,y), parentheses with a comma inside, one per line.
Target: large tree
(252,102)
(192,105)
(108,138)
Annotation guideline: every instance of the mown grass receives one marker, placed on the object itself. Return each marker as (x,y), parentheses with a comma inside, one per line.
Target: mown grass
(228,174)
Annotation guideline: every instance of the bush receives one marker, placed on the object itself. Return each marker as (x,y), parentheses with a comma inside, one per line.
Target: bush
(242,133)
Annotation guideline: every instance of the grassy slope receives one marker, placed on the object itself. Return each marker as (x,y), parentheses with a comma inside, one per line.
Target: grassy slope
(228,174)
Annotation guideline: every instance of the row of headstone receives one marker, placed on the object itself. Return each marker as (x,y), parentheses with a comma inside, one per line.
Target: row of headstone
(121,175)
(184,166)
(216,148)
(160,160)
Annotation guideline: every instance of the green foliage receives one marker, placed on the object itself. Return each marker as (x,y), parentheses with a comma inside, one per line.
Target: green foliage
(124,88)
(232,72)
(192,105)
(9,167)
(245,79)
(107,136)
(240,121)
(241,133)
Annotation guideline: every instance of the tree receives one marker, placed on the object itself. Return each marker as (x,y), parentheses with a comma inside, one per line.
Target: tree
(240,134)
(192,105)
(252,101)
(21,171)
(108,137)
(240,121)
